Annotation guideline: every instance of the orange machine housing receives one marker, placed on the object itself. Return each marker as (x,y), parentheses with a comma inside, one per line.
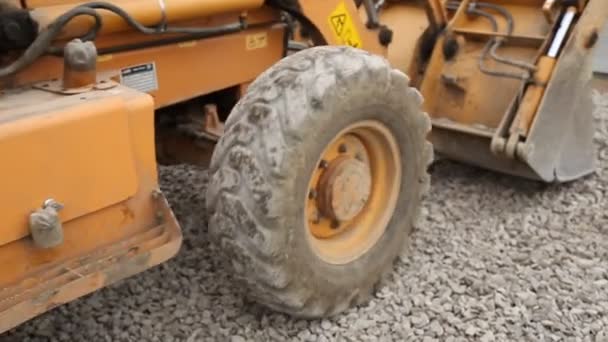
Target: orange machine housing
(94,153)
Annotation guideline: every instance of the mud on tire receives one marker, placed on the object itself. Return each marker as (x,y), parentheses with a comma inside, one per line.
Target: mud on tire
(261,168)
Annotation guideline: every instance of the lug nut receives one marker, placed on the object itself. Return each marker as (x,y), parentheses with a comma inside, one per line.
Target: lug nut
(323,164)
(358,156)
(342,148)
(335,225)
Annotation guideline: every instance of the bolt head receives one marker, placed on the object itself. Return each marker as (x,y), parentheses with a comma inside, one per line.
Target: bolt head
(156,194)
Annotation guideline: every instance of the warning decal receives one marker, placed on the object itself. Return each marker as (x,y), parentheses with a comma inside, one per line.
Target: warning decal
(344,28)
(338,22)
(256,41)
(140,77)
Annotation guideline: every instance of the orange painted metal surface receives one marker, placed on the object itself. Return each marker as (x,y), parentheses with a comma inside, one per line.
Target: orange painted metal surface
(44,288)
(181,67)
(147,12)
(74,151)
(458,91)
(409,21)
(104,170)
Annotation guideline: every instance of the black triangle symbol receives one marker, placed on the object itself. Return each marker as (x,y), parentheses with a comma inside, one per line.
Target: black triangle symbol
(338,22)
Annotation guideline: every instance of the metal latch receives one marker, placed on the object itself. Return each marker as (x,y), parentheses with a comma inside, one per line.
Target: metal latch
(45,225)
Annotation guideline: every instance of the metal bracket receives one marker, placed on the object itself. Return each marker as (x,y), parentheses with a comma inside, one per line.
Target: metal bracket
(372,14)
(45,225)
(56,87)
(162,26)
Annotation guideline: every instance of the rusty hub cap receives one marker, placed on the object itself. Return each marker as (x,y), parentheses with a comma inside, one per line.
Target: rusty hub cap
(344,188)
(353,192)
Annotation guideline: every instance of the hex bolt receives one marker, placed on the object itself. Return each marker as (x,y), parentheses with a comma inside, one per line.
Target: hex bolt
(342,148)
(323,164)
(156,194)
(335,224)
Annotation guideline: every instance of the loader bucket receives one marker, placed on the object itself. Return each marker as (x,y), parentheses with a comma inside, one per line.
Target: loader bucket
(559,144)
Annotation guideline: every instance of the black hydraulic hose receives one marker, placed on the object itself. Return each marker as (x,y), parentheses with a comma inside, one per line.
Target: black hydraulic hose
(510,27)
(491,72)
(166,41)
(503,11)
(42,43)
(228,28)
(45,38)
(494,44)
(486,15)
(512,62)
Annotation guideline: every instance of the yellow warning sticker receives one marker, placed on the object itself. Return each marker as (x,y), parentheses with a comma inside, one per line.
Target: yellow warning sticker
(187,44)
(344,28)
(256,41)
(104,58)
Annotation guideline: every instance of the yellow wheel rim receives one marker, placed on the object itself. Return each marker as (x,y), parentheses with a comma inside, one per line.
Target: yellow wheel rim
(353,192)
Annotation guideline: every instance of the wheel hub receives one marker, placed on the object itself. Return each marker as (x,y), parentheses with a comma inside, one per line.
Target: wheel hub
(353,191)
(344,189)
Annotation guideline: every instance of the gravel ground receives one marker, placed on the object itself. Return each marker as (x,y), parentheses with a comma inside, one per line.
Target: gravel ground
(494,259)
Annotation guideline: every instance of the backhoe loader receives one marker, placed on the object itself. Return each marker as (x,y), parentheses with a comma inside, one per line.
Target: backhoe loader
(317,142)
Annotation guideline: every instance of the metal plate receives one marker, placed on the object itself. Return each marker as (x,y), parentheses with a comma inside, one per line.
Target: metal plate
(75,149)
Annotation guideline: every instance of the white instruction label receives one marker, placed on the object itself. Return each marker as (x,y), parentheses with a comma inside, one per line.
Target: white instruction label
(140,77)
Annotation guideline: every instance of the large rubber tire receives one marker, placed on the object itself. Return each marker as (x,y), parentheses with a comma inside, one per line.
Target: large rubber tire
(261,168)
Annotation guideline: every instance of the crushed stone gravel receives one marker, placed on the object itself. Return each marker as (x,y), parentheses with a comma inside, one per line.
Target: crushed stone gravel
(494,258)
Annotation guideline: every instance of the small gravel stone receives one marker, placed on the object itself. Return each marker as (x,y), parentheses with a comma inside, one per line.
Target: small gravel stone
(436,328)
(487,337)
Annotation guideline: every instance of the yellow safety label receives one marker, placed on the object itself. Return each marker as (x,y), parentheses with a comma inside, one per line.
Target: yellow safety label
(104,58)
(256,41)
(187,44)
(344,28)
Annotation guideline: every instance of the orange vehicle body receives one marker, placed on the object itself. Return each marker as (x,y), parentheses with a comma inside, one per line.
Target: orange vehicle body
(94,149)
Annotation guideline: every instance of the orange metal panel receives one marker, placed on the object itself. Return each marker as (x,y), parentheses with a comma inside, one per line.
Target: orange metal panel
(529,21)
(108,243)
(408,21)
(185,70)
(93,232)
(77,153)
(147,12)
(64,282)
(472,97)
